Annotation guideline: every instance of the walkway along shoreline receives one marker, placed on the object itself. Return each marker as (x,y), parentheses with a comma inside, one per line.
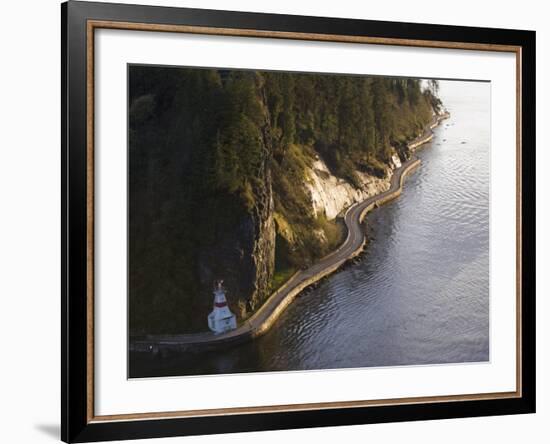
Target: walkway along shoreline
(261,321)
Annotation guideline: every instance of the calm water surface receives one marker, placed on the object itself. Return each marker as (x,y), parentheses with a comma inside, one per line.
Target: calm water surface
(420,294)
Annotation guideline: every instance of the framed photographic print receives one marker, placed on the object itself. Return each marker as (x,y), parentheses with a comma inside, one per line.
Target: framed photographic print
(276,221)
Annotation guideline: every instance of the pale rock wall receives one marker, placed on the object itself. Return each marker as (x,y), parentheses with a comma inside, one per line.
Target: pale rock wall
(331,195)
(396,161)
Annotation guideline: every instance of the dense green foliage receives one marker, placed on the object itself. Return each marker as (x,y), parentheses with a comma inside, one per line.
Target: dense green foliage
(351,121)
(208,146)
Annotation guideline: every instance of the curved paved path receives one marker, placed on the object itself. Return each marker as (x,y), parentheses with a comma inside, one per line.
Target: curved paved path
(264,318)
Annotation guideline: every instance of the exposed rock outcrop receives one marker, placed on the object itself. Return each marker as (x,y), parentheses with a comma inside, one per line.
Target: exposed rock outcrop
(331,195)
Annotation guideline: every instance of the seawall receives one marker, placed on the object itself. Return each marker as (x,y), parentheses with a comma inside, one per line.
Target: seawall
(261,321)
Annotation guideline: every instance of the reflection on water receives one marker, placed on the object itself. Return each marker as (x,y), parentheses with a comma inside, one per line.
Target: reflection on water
(420,294)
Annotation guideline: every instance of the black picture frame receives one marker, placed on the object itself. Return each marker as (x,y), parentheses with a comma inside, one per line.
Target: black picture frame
(76,423)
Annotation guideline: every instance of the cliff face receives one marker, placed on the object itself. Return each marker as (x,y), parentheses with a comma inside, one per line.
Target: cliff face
(243,255)
(331,195)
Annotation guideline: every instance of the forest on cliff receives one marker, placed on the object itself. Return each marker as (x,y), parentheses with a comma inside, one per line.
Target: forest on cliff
(217,167)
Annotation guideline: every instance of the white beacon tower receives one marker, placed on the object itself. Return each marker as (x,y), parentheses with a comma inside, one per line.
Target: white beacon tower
(221,319)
